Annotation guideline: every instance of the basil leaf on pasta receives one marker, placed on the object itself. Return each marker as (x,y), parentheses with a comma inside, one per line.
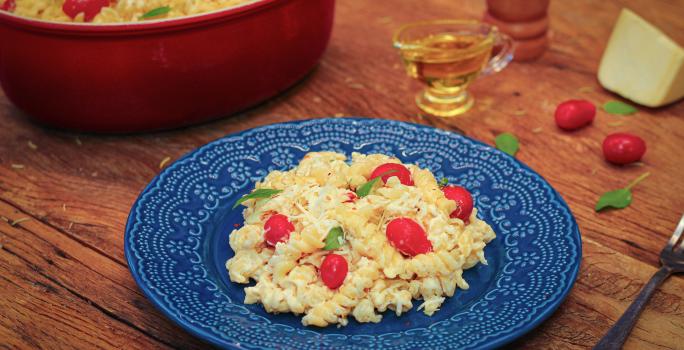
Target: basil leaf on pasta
(335,238)
(260,193)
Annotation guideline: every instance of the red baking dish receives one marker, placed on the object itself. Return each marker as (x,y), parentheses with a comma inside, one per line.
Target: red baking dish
(160,74)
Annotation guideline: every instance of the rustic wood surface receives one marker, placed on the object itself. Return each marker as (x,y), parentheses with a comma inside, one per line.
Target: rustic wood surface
(64,282)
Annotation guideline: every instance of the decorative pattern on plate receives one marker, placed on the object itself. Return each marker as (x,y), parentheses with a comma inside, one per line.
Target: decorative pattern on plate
(169,236)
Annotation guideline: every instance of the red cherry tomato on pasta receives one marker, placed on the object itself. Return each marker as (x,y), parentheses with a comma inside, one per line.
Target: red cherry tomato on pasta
(623,148)
(334,270)
(408,237)
(277,229)
(574,114)
(90,8)
(393,169)
(463,200)
(8,5)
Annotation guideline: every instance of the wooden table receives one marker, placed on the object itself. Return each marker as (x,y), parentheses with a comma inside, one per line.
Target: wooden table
(64,282)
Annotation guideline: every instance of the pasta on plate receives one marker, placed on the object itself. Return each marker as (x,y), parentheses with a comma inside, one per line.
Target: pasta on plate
(330,239)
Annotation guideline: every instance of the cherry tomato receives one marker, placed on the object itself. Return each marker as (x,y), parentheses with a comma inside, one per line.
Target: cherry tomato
(463,200)
(89,7)
(334,269)
(574,114)
(408,237)
(623,148)
(8,5)
(395,169)
(352,197)
(278,229)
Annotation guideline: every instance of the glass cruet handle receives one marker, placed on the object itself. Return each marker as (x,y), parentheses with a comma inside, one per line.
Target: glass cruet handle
(505,55)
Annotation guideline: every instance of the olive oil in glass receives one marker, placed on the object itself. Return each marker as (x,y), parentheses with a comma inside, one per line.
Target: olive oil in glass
(447,56)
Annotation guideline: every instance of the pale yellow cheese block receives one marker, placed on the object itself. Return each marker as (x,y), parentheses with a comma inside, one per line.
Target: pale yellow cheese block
(641,63)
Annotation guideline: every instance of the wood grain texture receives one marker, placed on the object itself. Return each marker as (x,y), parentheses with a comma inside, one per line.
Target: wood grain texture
(64,282)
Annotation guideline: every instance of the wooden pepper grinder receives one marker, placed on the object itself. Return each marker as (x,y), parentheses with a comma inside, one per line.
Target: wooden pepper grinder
(526,21)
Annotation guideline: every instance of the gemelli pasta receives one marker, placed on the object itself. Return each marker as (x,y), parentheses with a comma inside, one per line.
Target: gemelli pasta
(329,239)
(106,11)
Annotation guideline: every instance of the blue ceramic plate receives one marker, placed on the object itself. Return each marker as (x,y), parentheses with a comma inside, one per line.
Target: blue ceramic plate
(177,240)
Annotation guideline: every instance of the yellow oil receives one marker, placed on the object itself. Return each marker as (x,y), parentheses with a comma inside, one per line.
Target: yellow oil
(447,61)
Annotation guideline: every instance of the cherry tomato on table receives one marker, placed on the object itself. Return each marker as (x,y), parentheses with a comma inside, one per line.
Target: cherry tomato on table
(574,114)
(389,170)
(408,237)
(277,229)
(90,8)
(334,270)
(463,200)
(623,148)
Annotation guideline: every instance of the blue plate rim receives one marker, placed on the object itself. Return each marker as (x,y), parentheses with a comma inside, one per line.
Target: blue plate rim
(213,340)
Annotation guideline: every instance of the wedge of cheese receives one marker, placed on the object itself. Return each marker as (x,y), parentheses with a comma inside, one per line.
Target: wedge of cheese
(641,63)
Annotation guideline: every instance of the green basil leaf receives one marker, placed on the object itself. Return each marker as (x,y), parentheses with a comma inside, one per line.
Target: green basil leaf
(508,143)
(156,12)
(615,199)
(617,107)
(443,182)
(621,198)
(256,194)
(366,188)
(334,239)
